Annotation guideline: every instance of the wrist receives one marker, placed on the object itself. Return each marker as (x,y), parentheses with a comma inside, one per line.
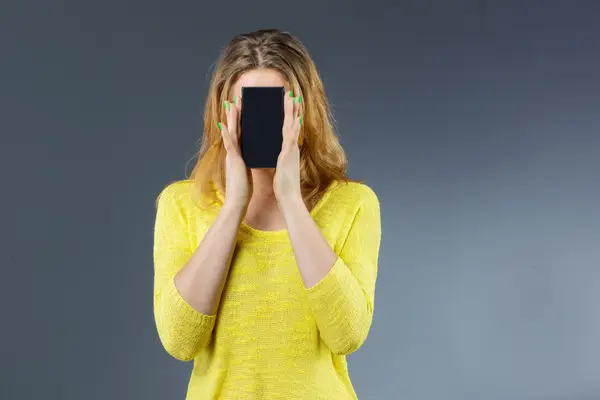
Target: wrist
(234,209)
(291,204)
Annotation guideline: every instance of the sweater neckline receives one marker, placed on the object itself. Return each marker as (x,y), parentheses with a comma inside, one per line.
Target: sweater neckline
(282,232)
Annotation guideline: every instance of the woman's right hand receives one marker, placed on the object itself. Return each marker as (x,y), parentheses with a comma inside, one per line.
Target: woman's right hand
(238,187)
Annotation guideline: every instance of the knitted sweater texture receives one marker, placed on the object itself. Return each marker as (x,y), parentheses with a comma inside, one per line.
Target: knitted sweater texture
(272,337)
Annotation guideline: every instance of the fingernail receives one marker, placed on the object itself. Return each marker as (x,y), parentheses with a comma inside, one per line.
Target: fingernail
(293,98)
(291,94)
(225,104)
(299,99)
(234,99)
(300,120)
(228,106)
(219,125)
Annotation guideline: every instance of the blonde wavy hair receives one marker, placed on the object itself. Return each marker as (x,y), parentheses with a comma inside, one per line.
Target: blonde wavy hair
(322,158)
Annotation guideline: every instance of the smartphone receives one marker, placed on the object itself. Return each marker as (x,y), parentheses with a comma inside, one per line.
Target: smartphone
(261,123)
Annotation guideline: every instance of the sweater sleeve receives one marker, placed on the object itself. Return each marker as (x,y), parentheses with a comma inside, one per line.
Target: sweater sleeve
(182,330)
(342,301)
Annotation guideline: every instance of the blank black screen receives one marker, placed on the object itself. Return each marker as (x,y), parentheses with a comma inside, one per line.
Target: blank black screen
(261,126)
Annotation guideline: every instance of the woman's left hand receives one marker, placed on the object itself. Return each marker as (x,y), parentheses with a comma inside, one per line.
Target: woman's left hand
(286,183)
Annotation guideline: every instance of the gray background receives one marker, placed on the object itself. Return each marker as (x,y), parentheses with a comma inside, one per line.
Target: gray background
(476,122)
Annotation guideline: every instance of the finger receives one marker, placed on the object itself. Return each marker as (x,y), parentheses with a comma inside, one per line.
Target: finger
(289,109)
(227,143)
(234,115)
(297,106)
(291,134)
(296,128)
(232,124)
(227,107)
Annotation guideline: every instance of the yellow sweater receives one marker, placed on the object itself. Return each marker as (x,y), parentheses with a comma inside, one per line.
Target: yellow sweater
(272,338)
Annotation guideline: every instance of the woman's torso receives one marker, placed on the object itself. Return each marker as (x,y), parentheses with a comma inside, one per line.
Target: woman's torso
(266,344)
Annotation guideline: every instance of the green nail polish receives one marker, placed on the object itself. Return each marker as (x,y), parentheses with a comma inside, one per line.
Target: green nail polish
(234,99)
(225,105)
(219,125)
(291,94)
(299,99)
(300,120)
(228,106)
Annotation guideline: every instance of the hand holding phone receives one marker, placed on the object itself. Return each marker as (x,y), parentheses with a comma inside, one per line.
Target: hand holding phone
(238,180)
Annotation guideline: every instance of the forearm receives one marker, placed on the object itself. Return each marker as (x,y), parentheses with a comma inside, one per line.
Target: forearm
(200,282)
(339,294)
(341,308)
(188,282)
(314,255)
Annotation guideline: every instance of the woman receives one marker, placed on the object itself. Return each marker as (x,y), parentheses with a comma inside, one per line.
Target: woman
(266,277)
